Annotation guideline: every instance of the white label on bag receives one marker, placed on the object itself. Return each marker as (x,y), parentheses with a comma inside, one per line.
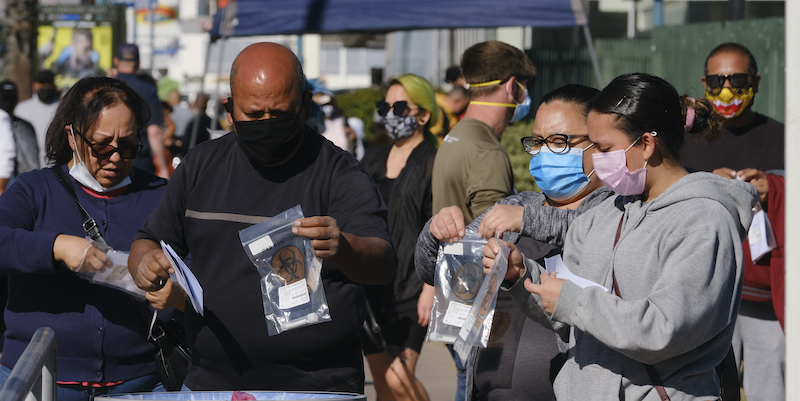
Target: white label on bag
(260,245)
(456,313)
(118,273)
(454,249)
(294,294)
(470,321)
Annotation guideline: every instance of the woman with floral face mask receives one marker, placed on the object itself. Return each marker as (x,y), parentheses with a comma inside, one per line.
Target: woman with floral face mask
(402,170)
(666,251)
(561,163)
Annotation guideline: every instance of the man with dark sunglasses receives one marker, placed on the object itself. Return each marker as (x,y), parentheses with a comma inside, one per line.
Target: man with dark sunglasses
(750,148)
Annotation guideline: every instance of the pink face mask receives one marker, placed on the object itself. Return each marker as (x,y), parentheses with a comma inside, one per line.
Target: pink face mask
(612,169)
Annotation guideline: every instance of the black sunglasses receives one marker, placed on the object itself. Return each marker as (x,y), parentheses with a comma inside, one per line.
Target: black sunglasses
(736,80)
(103,151)
(400,109)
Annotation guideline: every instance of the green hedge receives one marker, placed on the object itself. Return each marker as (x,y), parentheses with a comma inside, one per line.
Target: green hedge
(519,158)
(361,103)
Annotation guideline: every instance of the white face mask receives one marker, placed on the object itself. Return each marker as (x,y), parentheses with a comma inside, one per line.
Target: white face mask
(81,174)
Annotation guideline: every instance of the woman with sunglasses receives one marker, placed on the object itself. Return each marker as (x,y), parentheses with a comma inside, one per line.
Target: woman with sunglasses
(667,252)
(402,170)
(561,163)
(102,340)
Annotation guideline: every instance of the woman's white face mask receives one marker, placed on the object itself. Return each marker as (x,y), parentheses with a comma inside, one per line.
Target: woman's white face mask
(115,127)
(80,173)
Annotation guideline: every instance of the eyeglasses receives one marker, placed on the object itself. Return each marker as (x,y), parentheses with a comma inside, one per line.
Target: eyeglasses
(103,151)
(400,109)
(557,143)
(738,81)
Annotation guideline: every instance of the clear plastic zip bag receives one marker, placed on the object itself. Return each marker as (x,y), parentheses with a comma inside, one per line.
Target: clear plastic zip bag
(117,277)
(478,324)
(459,274)
(291,285)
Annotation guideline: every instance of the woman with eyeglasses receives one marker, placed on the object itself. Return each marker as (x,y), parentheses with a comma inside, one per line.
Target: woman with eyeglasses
(561,163)
(102,340)
(667,252)
(402,170)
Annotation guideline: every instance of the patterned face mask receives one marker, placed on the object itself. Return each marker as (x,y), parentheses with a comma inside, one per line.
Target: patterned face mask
(731,103)
(400,128)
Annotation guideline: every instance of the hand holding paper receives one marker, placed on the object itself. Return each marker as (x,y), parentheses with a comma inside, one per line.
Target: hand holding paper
(184,278)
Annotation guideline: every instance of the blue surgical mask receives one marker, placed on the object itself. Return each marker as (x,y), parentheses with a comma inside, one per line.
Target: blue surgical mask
(560,175)
(522,109)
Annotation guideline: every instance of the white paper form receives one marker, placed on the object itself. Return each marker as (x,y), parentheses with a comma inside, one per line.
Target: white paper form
(556,264)
(185,278)
(760,236)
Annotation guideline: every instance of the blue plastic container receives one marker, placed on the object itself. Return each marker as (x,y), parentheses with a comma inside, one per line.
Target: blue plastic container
(228,395)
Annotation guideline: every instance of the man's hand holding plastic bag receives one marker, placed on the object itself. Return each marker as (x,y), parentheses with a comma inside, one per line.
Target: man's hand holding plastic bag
(323,231)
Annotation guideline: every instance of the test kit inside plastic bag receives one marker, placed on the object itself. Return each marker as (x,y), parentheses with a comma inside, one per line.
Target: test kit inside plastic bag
(117,277)
(459,274)
(478,324)
(291,286)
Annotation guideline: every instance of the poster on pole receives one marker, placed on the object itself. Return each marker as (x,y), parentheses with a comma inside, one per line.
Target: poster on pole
(78,41)
(157,33)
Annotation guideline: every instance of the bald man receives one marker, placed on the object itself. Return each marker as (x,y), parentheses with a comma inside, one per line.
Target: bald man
(271,162)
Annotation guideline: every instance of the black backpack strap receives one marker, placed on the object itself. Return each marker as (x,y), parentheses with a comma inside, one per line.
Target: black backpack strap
(89,225)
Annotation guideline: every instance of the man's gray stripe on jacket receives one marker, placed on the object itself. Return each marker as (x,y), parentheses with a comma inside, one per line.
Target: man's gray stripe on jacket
(233,217)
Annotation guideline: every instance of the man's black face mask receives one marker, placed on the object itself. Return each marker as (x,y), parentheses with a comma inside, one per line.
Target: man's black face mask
(269,142)
(48,94)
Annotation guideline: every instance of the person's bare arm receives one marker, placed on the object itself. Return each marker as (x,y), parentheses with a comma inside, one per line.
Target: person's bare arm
(156,139)
(169,130)
(3,184)
(365,260)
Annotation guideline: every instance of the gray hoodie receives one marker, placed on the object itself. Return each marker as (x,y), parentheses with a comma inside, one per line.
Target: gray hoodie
(678,264)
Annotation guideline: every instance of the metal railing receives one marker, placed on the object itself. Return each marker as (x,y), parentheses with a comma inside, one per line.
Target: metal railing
(34,376)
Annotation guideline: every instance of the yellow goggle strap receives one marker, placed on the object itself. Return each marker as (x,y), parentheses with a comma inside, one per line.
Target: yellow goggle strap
(495,82)
(490,83)
(482,84)
(493,104)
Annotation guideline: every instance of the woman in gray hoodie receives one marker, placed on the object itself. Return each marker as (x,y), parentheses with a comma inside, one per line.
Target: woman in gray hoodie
(668,249)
